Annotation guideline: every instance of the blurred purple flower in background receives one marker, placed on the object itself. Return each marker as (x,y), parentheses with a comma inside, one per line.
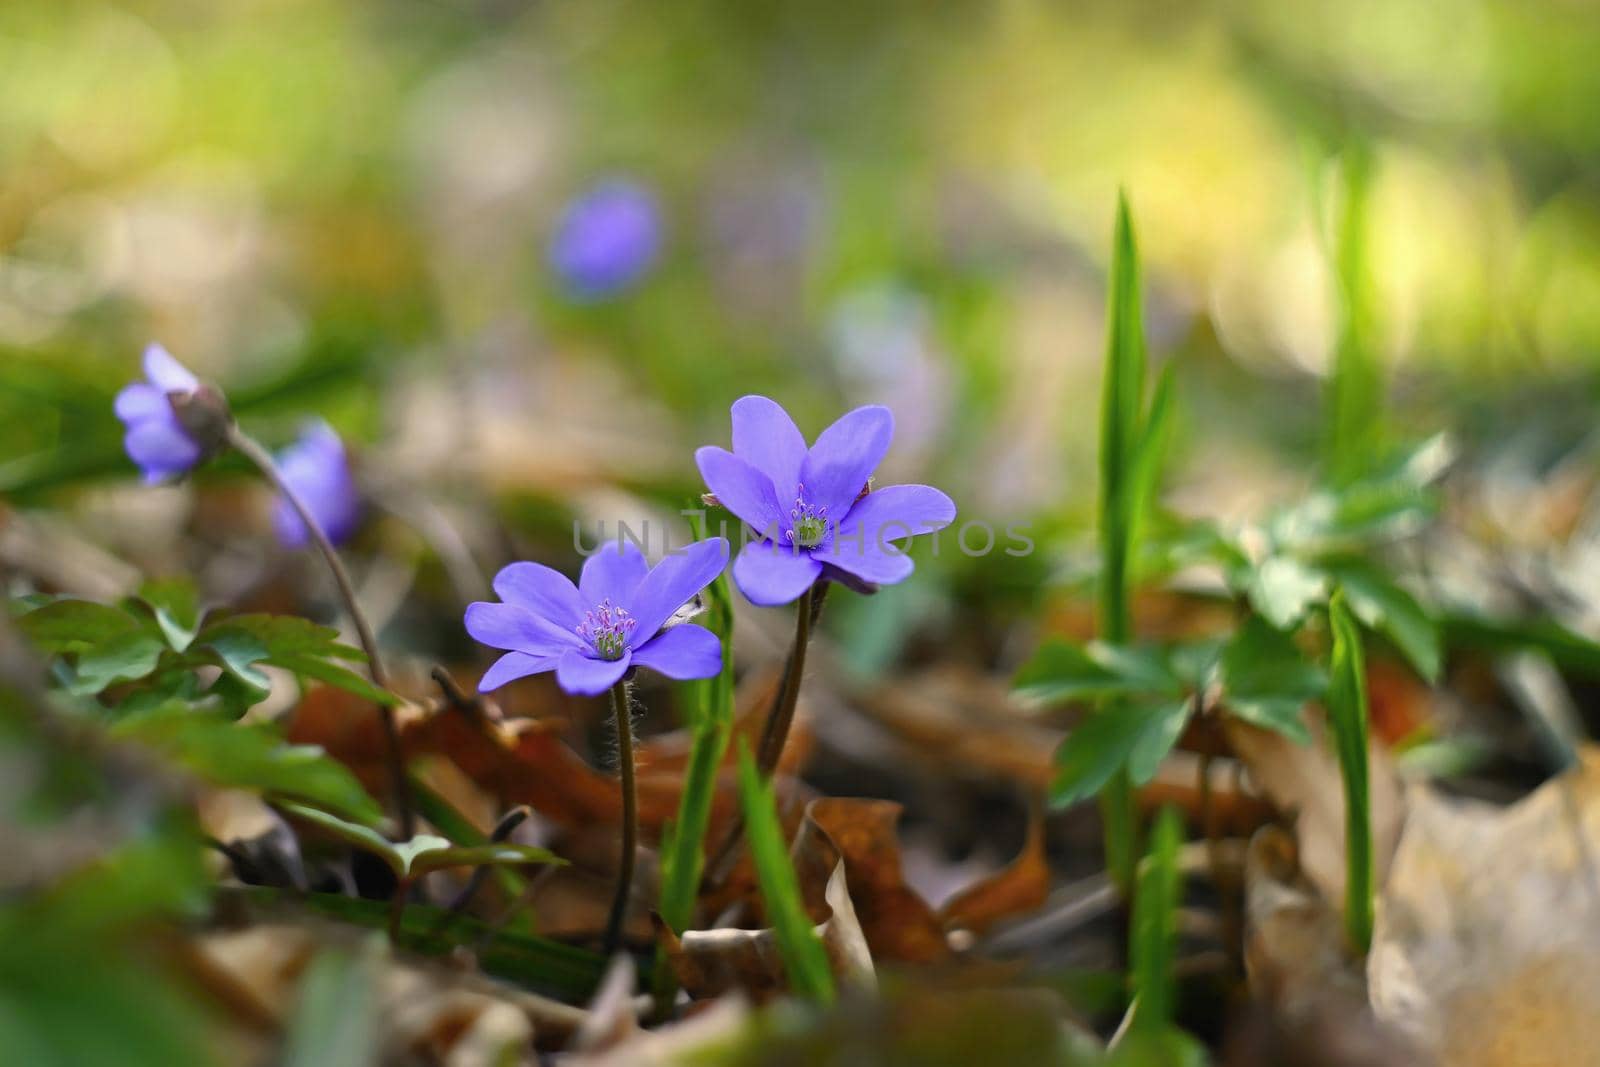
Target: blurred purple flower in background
(156,438)
(811,507)
(607,239)
(613,619)
(318,470)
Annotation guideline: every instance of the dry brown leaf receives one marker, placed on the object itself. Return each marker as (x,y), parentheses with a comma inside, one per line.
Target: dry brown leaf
(527,761)
(898,923)
(1021,887)
(427,1013)
(1294,947)
(1487,946)
(1303,780)
(701,1035)
(711,963)
(1310,998)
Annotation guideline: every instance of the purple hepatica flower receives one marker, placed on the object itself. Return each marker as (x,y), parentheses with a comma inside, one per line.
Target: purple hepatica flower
(606,240)
(615,618)
(318,470)
(812,507)
(157,439)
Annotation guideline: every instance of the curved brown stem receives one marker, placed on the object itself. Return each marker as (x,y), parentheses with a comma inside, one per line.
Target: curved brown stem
(623,722)
(263,461)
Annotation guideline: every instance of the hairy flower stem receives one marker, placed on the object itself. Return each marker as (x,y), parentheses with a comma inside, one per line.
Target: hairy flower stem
(256,454)
(623,720)
(775,735)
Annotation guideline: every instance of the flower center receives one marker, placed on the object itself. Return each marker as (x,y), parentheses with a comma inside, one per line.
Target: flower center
(607,629)
(808,524)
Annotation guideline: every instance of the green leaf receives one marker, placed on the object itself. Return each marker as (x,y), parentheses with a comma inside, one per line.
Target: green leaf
(1383,606)
(804,959)
(1195,663)
(1283,589)
(122,658)
(110,643)
(1129,448)
(406,853)
(249,756)
(1566,648)
(293,644)
(1347,714)
(237,652)
(1181,543)
(351,834)
(1154,929)
(336,1021)
(1150,450)
(288,635)
(1062,670)
(75,625)
(425,852)
(1267,681)
(496,854)
(176,607)
(536,963)
(1156,740)
(1105,743)
(458,828)
(1395,499)
(1168,1047)
(1122,394)
(335,675)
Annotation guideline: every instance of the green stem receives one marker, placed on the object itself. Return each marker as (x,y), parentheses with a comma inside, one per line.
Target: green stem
(263,461)
(1119,814)
(623,721)
(1347,714)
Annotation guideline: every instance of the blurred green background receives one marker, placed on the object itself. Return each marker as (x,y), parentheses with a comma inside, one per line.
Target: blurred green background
(342,206)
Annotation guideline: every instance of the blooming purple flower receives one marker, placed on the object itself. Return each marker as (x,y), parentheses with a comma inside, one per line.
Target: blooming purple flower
(812,506)
(607,239)
(613,619)
(156,438)
(318,470)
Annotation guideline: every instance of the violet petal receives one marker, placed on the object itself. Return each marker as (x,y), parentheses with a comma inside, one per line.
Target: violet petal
(685,651)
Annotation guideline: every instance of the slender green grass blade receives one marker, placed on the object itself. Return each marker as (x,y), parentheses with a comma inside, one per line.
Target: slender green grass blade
(1155,925)
(1119,428)
(804,958)
(1120,434)
(1347,712)
(1354,398)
